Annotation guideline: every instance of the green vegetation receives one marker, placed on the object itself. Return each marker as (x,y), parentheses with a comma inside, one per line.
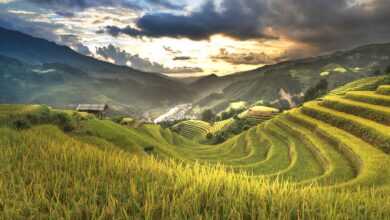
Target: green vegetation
(368,83)
(24,117)
(198,130)
(316,91)
(80,181)
(384,90)
(325,160)
(208,116)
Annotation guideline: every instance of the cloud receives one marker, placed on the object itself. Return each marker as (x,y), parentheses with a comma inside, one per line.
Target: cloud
(240,19)
(315,26)
(65,14)
(73,41)
(122,57)
(184,69)
(83,4)
(182,58)
(171,51)
(323,25)
(243,58)
(24,24)
(330,25)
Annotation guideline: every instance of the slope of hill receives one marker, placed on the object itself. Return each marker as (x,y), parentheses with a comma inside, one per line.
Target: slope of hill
(68,178)
(329,159)
(61,85)
(63,76)
(281,85)
(287,81)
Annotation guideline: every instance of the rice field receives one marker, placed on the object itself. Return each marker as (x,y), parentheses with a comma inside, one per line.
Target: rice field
(328,159)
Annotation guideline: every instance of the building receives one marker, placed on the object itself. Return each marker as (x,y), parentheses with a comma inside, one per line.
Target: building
(97,109)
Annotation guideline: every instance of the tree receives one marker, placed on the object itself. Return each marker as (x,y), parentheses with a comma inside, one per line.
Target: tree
(316,91)
(377,73)
(149,149)
(209,136)
(208,115)
(387,70)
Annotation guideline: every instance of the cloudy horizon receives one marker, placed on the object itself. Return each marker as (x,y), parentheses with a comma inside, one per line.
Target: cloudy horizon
(195,38)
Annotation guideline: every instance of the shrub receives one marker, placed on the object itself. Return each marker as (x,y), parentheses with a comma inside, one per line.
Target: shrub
(221,137)
(376,73)
(209,136)
(63,120)
(149,149)
(208,115)
(21,123)
(117,119)
(387,70)
(231,113)
(316,91)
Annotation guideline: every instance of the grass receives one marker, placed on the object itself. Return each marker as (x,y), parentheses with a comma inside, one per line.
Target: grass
(384,90)
(370,131)
(67,179)
(259,114)
(198,130)
(301,156)
(376,113)
(337,167)
(369,97)
(326,160)
(369,162)
(368,83)
(193,129)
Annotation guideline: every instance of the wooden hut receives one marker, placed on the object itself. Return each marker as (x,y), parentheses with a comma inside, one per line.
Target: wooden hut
(97,109)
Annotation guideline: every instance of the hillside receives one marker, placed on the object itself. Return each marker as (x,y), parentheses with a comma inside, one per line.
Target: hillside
(58,76)
(325,160)
(35,65)
(283,84)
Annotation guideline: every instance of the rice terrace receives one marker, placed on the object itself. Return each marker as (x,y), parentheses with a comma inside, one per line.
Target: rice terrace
(173,110)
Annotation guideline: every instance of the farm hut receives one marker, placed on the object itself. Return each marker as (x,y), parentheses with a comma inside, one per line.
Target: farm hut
(97,109)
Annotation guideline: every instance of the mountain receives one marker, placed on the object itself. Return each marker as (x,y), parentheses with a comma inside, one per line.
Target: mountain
(45,72)
(35,70)
(283,84)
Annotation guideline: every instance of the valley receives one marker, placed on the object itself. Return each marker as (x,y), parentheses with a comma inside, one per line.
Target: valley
(61,77)
(330,155)
(91,137)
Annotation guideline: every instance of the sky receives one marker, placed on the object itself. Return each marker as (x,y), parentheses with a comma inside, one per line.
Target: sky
(186,38)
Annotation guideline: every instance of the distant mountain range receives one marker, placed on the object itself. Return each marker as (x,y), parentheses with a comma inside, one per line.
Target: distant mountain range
(34,70)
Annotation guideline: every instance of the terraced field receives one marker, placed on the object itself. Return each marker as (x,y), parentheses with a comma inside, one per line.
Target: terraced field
(338,141)
(341,140)
(328,159)
(197,129)
(259,114)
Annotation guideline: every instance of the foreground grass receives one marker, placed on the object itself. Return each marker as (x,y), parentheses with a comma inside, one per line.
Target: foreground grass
(45,174)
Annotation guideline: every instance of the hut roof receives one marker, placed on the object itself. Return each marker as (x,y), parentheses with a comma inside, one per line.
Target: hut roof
(91,107)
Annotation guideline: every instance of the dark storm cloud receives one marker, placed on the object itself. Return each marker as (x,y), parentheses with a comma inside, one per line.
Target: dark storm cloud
(165,4)
(236,18)
(182,58)
(325,25)
(122,57)
(333,24)
(82,4)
